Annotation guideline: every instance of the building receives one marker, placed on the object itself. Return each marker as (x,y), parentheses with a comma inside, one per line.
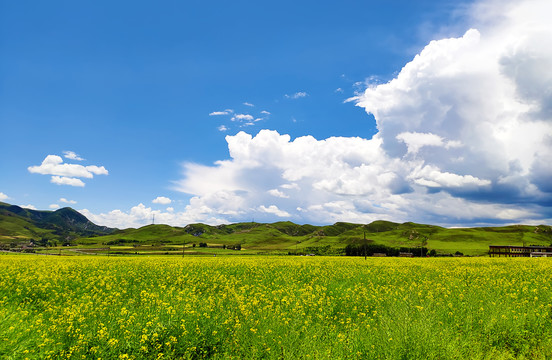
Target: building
(520,251)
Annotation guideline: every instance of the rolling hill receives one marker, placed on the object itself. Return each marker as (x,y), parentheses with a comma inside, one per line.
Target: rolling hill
(284,237)
(67,226)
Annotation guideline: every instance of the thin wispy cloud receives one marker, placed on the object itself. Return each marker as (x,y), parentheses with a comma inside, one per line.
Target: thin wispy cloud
(218,113)
(297,95)
(72,156)
(242,117)
(65,201)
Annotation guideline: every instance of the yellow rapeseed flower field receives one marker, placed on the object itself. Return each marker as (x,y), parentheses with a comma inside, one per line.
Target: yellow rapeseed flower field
(274,307)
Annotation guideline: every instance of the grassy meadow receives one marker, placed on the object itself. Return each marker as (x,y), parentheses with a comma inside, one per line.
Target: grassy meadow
(286,237)
(270,307)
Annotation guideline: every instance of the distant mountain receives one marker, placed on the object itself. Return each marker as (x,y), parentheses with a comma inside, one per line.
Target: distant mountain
(62,225)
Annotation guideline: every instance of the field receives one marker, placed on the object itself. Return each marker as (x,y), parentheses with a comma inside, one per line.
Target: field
(274,307)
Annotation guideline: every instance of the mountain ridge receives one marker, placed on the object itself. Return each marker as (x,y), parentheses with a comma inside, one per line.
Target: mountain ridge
(62,224)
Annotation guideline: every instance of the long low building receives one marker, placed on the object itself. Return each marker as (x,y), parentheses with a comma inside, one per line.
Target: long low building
(520,251)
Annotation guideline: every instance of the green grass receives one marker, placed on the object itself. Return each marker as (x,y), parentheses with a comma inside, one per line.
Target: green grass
(287,237)
(18,226)
(263,307)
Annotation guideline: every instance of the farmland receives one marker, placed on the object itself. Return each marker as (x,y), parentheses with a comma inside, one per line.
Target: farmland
(274,307)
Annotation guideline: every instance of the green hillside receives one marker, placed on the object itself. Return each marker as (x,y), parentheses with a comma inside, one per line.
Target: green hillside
(68,227)
(18,225)
(285,237)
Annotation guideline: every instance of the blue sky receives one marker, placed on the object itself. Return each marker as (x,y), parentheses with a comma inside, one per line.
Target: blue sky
(307,111)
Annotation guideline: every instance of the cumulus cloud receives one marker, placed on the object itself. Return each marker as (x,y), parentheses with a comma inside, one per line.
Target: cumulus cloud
(222,128)
(141,215)
(310,172)
(467,123)
(415,141)
(54,206)
(162,200)
(72,156)
(3,196)
(297,95)
(273,209)
(29,206)
(431,176)
(63,180)
(464,137)
(64,173)
(64,200)
(278,193)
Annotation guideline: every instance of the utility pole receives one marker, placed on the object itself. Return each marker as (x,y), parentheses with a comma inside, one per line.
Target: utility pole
(365,245)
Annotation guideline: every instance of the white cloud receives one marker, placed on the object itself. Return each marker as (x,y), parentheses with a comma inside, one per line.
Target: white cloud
(64,200)
(324,171)
(162,200)
(242,117)
(464,137)
(297,95)
(273,209)
(63,180)
(72,156)
(248,104)
(218,113)
(415,141)
(3,196)
(222,128)
(54,206)
(431,176)
(29,206)
(98,170)
(66,174)
(339,90)
(141,215)
(278,193)
(290,186)
(264,112)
